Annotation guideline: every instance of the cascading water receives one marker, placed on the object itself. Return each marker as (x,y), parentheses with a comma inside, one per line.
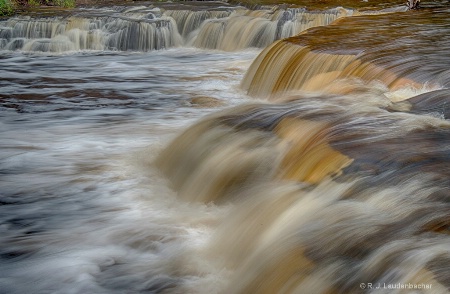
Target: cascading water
(150,28)
(143,31)
(189,21)
(244,29)
(320,164)
(309,63)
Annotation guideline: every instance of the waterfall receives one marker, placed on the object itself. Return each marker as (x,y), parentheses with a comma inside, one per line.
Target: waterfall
(188,21)
(340,182)
(318,164)
(350,51)
(319,192)
(96,33)
(292,150)
(149,28)
(246,28)
(293,67)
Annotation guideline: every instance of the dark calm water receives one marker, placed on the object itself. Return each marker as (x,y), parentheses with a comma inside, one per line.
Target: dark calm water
(126,169)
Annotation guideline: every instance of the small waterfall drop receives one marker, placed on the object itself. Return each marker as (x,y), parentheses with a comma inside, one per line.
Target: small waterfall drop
(188,21)
(121,31)
(259,28)
(348,50)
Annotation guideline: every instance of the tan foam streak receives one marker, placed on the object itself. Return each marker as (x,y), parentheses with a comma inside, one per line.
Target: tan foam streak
(309,158)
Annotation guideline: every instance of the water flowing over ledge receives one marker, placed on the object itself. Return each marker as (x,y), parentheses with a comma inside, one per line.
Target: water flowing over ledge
(151,28)
(342,179)
(392,49)
(322,188)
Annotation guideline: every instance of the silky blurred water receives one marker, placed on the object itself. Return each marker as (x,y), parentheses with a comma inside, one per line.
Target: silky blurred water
(154,172)
(78,133)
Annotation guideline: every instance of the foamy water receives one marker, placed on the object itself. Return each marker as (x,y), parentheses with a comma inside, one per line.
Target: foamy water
(154,172)
(79,192)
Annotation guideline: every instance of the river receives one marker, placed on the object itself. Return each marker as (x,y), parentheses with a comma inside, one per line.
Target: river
(180,148)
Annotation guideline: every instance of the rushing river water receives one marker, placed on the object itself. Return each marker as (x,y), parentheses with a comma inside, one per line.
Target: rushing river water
(153,149)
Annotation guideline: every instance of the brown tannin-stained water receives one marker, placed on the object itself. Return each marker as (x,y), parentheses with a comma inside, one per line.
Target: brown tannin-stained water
(208,148)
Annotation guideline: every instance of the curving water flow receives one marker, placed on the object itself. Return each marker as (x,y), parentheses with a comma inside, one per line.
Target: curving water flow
(263,151)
